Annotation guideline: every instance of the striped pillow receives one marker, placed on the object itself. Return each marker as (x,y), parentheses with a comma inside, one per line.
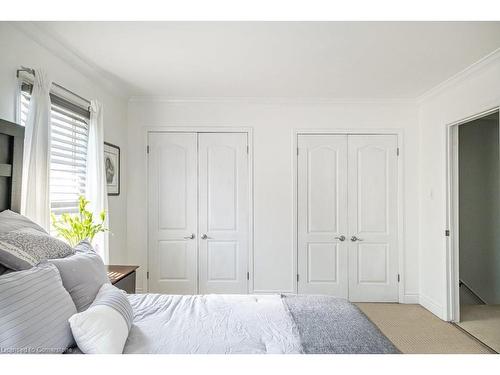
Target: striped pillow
(115,298)
(103,328)
(34,312)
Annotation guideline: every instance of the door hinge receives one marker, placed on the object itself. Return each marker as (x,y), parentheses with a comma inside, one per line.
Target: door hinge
(147,275)
(248,275)
(248,149)
(147,149)
(447,233)
(399,278)
(397,151)
(298,278)
(297,151)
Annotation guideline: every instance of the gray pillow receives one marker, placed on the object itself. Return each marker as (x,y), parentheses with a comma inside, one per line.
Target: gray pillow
(82,275)
(23,248)
(10,221)
(34,312)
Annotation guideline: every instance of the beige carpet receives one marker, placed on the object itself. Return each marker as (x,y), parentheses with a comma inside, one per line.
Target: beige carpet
(483,322)
(415,330)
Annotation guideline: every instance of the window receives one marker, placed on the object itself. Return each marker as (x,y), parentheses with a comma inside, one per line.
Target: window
(68,153)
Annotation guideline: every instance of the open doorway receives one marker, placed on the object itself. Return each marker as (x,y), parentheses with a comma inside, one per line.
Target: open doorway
(476,214)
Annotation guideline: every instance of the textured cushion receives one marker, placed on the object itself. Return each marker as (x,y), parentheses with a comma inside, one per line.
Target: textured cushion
(82,274)
(23,248)
(34,312)
(10,221)
(103,328)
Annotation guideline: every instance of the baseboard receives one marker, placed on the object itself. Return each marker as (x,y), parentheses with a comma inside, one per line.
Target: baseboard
(411,299)
(257,291)
(407,299)
(432,306)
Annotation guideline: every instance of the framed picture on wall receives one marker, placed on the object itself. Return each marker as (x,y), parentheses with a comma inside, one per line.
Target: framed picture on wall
(112,168)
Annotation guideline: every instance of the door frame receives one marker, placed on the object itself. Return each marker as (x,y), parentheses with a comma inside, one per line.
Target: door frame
(452,214)
(399,133)
(208,129)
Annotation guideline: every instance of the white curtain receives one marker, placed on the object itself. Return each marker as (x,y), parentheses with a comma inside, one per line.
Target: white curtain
(96,190)
(36,166)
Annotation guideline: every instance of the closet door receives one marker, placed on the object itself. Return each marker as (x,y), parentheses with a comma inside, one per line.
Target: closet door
(223,212)
(172,171)
(322,215)
(373,227)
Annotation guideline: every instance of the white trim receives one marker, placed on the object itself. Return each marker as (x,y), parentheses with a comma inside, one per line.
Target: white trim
(452,214)
(460,76)
(52,43)
(452,250)
(400,199)
(411,299)
(295,229)
(267,100)
(208,129)
(432,306)
(272,291)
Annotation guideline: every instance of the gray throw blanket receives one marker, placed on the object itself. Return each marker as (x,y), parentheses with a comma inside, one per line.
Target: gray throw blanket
(329,325)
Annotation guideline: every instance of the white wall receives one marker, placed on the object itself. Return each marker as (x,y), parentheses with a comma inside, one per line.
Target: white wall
(273,122)
(18,49)
(474,91)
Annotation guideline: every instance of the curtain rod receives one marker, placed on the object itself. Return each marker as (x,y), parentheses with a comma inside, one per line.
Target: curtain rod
(32,72)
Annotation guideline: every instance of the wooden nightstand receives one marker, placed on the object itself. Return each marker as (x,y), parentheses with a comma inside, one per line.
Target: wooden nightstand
(123,277)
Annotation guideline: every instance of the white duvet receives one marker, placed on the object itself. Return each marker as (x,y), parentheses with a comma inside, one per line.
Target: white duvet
(211,324)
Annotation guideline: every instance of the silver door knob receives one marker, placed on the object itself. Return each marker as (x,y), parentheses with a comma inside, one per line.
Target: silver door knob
(354,239)
(340,238)
(191,237)
(204,236)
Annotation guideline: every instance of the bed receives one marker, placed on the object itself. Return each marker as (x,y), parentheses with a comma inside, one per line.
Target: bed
(222,324)
(256,324)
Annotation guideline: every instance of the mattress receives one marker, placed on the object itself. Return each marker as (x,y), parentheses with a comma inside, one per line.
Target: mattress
(250,324)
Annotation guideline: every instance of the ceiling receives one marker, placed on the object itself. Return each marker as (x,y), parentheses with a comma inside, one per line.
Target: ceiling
(345,60)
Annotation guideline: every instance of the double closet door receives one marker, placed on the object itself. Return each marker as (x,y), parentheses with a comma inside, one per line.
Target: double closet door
(198,212)
(347,216)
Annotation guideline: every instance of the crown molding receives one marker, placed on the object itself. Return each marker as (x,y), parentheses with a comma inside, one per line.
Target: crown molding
(267,100)
(57,47)
(456,79)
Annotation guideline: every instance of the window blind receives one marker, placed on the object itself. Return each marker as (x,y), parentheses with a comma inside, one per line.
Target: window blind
(68,152)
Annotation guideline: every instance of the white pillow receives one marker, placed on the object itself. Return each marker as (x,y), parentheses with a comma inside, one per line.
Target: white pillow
(103,328)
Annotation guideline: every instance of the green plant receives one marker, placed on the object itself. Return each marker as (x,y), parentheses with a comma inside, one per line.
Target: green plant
(81,226)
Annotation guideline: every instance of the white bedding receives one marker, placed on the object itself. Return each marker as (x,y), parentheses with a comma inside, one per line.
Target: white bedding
(218,324)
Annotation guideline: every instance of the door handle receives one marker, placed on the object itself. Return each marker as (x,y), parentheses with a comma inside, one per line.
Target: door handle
(191,237)
(340,238)
(204,236)
(354,239)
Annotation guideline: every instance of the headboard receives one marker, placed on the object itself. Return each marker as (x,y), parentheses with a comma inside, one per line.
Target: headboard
(11,165)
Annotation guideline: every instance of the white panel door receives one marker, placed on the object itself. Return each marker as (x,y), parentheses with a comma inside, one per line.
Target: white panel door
(373,229)
(322,215)
(172,213)
(223,212)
